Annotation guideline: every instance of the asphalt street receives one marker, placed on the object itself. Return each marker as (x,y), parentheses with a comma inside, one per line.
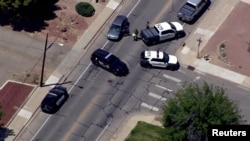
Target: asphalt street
(99,102)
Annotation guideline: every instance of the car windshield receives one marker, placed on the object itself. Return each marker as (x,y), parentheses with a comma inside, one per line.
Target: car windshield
(166,57)
(189,5)
(115,28)
(112,59)
(172,25)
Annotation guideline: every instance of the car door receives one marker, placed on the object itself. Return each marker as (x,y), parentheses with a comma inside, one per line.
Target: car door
(168,34)
(103,63)
(125,27)
(158,63)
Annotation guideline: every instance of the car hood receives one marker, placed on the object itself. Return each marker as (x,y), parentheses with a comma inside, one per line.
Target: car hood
(178,26)
(172,59)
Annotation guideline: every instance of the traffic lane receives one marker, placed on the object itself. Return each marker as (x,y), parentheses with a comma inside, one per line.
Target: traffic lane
(82,108)
(116,102)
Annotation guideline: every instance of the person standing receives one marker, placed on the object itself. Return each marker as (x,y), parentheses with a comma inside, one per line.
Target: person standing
(147,25)
(135,34)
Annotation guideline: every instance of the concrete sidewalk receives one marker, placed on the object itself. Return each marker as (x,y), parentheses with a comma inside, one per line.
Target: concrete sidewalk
(187,56)
(22,117)
(211,22)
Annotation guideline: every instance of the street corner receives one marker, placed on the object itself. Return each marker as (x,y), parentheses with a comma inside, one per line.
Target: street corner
(231,51)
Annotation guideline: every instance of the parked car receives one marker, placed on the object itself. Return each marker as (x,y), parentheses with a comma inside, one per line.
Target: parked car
(158,59)
(54,99)
(119,28)
(191,9)
(162,32)
(109,62)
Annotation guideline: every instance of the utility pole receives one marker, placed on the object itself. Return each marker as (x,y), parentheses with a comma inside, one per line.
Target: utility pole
(43,63)
(199,43)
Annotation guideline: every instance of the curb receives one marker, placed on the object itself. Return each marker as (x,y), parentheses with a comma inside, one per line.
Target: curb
(59,75)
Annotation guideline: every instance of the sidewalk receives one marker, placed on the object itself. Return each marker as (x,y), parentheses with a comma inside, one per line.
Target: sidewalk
(187,56)
(31,106)
(214,17)
(131,122)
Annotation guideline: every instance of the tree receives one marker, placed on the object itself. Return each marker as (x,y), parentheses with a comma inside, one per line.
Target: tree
(85,9)
(188,114)
(26,14)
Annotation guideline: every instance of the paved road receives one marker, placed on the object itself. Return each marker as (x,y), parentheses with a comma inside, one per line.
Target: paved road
(112,102)
(99,98)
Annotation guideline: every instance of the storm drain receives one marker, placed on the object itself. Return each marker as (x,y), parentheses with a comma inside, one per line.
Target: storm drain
(190,68)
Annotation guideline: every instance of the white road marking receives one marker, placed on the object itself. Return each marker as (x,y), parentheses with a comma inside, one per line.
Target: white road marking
(197,78)
(181,71)
(149,106)
(164,88)
(24,113)
(157,96)
(172,78)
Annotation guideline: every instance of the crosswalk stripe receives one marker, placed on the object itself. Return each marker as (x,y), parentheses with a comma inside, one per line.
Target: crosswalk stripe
(149,106)
(157,96)
(181,71)
(164,88)
(172,78)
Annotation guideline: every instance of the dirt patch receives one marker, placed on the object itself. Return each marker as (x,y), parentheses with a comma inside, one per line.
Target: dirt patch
(234,35)
(68,26)
(12,96)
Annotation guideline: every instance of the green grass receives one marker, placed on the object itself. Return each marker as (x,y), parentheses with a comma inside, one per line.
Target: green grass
(146,132)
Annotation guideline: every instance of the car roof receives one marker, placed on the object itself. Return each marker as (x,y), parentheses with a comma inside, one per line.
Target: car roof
(54,94)
(163,26)
(153,54)
(109,57)
(101,53)
(119,19)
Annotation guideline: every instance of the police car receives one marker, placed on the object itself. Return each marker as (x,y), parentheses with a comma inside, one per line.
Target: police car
(109,62)
(157,59)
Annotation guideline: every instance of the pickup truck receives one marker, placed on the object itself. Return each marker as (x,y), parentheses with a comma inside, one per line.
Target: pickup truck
(191,9)
(161,32)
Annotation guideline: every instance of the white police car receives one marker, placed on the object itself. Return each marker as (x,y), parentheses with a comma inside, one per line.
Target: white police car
(157,59)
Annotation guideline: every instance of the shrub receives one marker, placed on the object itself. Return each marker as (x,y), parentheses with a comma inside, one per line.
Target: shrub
(85,9)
